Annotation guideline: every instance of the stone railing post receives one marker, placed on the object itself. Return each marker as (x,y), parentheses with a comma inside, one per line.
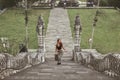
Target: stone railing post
(77,30)
(41,41)
(77,37)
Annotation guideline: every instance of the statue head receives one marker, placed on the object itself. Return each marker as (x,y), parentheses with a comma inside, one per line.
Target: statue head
(40,21)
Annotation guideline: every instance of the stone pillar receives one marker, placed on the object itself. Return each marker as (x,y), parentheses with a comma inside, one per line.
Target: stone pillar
(77,31)
(77,38)
(41,41)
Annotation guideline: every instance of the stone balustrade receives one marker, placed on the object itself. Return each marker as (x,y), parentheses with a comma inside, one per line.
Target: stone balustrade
(11,64)
(108,63)
(3,64)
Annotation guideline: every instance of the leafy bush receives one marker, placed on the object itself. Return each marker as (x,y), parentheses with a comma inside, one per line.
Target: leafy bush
(115,3)
(7,3)
(104,3)
(10,3)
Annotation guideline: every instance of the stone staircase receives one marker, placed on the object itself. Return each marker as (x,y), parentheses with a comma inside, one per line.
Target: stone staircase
(69,70)
(58,26)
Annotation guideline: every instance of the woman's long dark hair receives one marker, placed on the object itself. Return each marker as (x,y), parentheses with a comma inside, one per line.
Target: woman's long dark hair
(58,42)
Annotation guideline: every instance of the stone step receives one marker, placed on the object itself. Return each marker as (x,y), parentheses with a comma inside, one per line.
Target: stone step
(68,70)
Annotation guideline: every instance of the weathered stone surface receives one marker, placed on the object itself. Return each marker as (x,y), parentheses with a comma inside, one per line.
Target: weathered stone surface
(68,70)
(32,58)
(17,62)
(110,63)
(49,70)
(10,65)
(59,26)
(3,61)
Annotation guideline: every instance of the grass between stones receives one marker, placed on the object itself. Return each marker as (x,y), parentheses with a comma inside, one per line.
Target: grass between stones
(107,31)
(12,25)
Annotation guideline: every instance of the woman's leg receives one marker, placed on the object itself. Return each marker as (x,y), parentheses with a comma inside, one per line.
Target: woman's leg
(59,57)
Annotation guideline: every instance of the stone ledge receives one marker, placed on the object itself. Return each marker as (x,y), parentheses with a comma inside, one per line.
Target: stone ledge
(10,65)
(108,63)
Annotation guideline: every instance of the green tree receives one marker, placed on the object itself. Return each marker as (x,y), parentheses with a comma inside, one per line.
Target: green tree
(115,3)
(10,3)
(7,3)
(104,3)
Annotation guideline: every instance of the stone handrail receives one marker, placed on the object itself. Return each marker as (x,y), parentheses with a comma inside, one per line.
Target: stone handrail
(109,64)
(11,64)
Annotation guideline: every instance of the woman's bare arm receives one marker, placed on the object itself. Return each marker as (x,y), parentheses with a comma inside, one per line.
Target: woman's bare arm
(63,47)
(55,49)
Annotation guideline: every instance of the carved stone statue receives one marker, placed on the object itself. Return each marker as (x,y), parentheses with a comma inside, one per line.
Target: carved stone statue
(77,23)
(77,30)
(77,20)
(40,24)
(40,32)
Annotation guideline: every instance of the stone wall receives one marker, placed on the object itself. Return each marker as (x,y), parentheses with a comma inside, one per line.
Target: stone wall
(108,64)
(11,64)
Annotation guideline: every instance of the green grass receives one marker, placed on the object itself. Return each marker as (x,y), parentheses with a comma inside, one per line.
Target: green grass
(107,31)
(12,25)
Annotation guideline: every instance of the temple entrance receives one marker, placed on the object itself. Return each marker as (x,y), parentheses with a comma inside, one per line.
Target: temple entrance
(56,3)
(68,3)
(64,3)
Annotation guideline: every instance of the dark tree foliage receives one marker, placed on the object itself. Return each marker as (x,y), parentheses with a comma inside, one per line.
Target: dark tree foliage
(104,3)
(6,3)
(115,3)
(11,3)
(33,0)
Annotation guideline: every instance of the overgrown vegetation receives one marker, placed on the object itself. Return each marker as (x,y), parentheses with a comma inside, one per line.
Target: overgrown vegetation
(12,26)
(6,3)
(115,3)
(107,31)
(11,3)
